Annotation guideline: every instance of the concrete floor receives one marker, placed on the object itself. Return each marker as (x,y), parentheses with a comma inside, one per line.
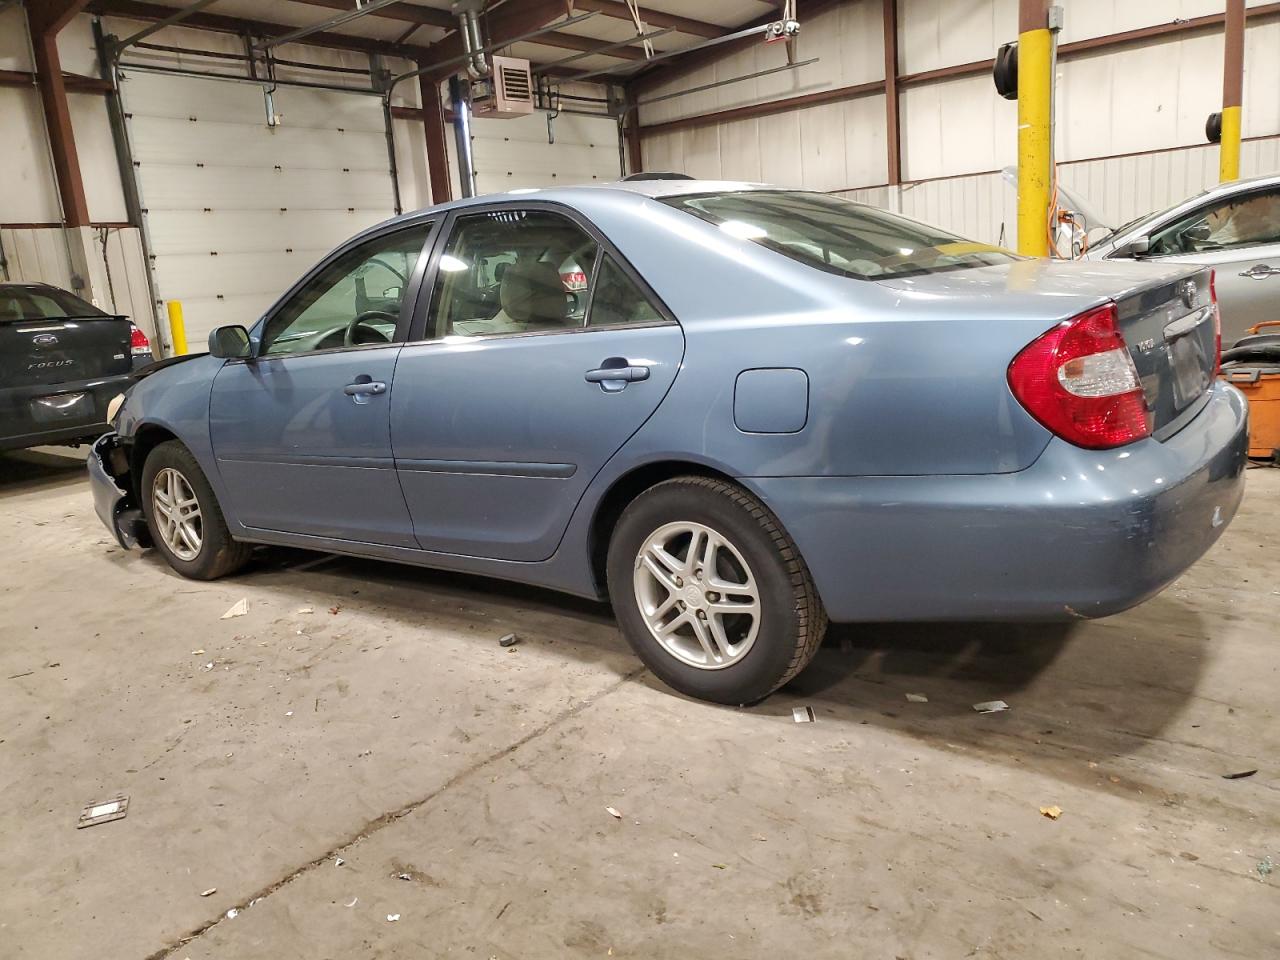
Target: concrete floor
(464,787)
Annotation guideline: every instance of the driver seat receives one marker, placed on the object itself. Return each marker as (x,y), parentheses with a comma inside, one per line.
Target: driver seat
(532,294)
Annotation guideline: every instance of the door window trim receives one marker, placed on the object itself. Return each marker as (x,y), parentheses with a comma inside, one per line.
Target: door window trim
(418,327)
(408,304)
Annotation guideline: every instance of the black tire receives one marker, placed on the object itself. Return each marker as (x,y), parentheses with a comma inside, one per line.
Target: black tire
(792,618)
(219,554)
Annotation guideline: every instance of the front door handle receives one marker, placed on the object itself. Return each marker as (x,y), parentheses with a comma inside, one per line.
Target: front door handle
(363,389)
(1260,271)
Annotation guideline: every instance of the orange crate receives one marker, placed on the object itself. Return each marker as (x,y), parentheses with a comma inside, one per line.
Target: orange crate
(1261,385)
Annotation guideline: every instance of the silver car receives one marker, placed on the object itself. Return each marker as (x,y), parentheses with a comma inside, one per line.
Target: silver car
(1234,228)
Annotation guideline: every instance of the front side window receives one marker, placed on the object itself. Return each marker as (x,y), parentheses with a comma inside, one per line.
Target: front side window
(513,271)
(354,301)
(837,235)
(1240,222)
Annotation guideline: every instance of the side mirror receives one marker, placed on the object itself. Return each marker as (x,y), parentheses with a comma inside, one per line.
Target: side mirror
(1137,247)
(1200,232)
(230,343)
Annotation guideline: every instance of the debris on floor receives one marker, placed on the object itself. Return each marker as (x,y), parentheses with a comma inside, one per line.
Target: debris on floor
(338,861)
(196,653)
(917,698)
(991,706)
(613,812)
(404,876)
(510,640)
(392,917)
(354,901)
(238,609)
(208,893)
(103,811)
(1265,867)
(232,913)
(803,714)
(1239,776)
(305,610)
(1053,813)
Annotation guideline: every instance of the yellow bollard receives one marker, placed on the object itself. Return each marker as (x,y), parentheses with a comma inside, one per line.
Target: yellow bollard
(177,328)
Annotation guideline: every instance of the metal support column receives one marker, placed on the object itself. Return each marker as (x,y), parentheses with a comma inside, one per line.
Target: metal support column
(462,136)
(1035,87)
(1232,90)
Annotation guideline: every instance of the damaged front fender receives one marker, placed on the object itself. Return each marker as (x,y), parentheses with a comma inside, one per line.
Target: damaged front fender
(113,497)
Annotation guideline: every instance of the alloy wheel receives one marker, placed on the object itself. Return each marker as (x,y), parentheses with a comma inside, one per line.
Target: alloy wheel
(177,513)
(697,595)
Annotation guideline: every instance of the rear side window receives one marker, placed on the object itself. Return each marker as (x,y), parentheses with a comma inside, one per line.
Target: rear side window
(617,299)
(43,303)
(838,236)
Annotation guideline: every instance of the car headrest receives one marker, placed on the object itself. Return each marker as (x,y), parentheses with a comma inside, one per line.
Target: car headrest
(531,292)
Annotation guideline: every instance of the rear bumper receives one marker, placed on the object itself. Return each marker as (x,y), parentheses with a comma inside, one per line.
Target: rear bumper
(23,423)
(1078,534)
(113,498)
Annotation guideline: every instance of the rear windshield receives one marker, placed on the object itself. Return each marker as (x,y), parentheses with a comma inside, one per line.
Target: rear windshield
(42,303)
(837,235)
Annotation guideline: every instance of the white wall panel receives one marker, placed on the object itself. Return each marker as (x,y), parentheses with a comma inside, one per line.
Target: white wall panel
(739,151)
(943,33)
(36,255)
(15,51)
(1097,18)
(411,164)
(514,153)
(99,169)
(28,193)
(956,127)
(1260,115)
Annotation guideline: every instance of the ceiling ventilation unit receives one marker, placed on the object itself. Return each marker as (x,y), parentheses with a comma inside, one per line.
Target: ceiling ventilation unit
(506,92)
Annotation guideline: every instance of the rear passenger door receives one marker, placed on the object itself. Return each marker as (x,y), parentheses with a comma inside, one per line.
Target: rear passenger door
(538,354)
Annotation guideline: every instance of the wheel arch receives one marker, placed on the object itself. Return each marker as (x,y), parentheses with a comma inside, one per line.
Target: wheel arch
(146,437)
(621,492)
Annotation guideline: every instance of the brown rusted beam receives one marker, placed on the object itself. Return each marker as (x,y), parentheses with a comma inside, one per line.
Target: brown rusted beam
(140,10)
(404,12)
(893,136)
(434,130)
(401,112)
(652,18)
(768,107)
(631,132)
(499,26)
(74,82)
(46,18)
(571,41)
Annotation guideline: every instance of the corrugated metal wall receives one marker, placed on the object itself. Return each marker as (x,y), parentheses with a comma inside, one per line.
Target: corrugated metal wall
(956,134)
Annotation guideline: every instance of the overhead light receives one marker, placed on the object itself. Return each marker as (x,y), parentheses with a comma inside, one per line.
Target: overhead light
(451,264)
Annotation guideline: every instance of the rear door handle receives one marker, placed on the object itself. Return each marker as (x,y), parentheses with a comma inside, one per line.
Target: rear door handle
(616,375)
(1260,271)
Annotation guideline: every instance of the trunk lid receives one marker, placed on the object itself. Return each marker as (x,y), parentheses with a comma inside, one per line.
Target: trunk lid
(34,352)
(49,336)
(1165,315)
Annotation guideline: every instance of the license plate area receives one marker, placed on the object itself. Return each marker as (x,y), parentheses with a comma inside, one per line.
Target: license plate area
(1190,369)
(62,407)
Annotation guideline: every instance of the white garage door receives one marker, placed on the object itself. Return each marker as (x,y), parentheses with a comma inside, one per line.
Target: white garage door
(237,210)
(515,153)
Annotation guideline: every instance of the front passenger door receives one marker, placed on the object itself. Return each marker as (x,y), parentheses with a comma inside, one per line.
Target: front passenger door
(301,430)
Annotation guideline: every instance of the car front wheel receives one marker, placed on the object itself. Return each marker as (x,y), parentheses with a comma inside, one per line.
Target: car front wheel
(183,516)
(710,591)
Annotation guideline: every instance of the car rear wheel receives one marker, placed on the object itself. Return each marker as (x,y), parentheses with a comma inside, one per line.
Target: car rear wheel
(710,591)
(186,524)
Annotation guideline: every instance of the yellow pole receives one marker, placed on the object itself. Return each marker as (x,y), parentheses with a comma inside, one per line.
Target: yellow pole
(177,328)
(1035,46)
(1232,88)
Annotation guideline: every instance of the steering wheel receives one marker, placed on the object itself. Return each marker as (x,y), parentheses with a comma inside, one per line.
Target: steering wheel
(349,335)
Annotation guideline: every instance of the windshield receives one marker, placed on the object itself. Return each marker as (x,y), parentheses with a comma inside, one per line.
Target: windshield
(42,303)
(838,236)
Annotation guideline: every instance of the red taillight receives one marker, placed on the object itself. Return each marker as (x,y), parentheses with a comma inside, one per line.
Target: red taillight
(1080,382)
(1217,323)
(138,342)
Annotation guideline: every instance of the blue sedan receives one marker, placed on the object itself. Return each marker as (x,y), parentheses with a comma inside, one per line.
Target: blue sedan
(735,411)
